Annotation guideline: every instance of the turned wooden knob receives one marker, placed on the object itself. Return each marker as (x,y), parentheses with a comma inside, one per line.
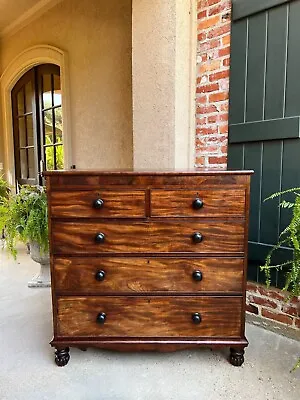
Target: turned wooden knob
(197,204)
(100,276)
(100,238)
(101,318)
(197,237)
(99,203)
(196,318)
(197,276)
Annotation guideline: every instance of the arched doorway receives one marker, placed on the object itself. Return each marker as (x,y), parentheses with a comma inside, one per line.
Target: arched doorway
(37,123)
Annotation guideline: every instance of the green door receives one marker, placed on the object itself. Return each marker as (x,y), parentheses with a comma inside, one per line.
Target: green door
(265,115)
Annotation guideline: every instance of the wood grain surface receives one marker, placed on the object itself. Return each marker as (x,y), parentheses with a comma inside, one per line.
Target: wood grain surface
(148,293)
(179,203)
(148,237)
(170,344)
(149,316)
(79,204)
(135,275)
(97,181)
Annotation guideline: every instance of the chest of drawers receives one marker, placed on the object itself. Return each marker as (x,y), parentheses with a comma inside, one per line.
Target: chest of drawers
(148,261)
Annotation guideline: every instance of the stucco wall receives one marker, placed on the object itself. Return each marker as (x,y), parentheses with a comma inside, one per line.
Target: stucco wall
(97,38)
(154,52)
(163,83)
(1,146)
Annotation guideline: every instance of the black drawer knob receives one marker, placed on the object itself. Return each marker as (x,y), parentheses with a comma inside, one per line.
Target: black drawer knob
(196,318)
(197,276)
(100,238)
(100,276)
(197,204)
(101,318)
(197,237)
(99,203)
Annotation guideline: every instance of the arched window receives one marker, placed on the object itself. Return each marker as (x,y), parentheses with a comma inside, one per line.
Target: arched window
(37,123)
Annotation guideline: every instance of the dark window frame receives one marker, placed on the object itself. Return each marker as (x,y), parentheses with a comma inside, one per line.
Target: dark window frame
(35,78)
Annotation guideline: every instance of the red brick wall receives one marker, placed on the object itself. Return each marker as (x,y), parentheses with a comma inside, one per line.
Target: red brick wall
(212,101)
(271,304)
(213,56)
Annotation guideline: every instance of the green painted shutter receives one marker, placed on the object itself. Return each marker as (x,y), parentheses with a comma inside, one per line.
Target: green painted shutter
(264,122)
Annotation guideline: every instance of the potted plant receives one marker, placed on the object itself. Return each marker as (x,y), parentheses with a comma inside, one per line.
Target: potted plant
(4,193)
(290,236)
(24,217)
(4,188)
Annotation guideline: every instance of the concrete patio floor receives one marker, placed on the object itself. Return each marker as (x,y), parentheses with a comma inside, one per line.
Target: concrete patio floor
(28,371)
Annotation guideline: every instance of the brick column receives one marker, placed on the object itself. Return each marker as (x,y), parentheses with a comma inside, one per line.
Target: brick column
(212,98)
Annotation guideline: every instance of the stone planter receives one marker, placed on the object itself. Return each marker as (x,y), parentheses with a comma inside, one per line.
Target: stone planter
(42,279)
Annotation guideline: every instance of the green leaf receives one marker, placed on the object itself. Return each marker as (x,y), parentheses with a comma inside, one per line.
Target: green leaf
(24,217)
(290,236)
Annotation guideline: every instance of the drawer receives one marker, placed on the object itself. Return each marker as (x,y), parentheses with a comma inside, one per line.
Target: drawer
(167,236)
(149,316)
(202,203)
(132,275)
(98,204)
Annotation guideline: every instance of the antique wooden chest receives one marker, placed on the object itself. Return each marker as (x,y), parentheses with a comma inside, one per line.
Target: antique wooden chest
(148,260)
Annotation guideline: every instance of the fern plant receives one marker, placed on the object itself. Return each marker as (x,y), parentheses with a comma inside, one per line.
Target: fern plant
(24,217)
(4,188)
(289,237)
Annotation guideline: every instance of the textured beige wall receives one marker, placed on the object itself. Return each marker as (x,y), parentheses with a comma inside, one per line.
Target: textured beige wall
(97,37)
(185,83)
(1,146)
(11,10)
(163,83)
(153,43)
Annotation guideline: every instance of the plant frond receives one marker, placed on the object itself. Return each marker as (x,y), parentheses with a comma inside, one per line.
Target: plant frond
(278,194)
(290,236)
(24,217)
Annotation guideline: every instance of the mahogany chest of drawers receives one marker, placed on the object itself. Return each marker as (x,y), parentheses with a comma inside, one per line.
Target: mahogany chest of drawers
(148,261)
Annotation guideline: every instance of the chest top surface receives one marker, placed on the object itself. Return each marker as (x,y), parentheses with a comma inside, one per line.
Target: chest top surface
(89,179)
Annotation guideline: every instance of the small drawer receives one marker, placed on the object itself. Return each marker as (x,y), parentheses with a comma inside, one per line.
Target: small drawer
(149,316)
(98,204)
(135,275)
(202,203)
(168,236)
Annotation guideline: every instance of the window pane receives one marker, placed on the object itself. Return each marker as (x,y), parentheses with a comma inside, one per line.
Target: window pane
(47,96)
(22,132)
(60,157)
(29,96)
(49,156)
(20,100)
(57,90)
(23,164)
(29,123)
(31,167)
(58,124)
(48,126)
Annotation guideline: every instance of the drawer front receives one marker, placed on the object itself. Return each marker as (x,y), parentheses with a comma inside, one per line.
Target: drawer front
(202,203)
(154,237)
(131,275)
(149,316)
(98,204)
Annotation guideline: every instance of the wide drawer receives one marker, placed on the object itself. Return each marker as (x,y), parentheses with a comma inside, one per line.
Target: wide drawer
(202,203)
(148,237)
(135,275)
(149,316)
(98,204)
